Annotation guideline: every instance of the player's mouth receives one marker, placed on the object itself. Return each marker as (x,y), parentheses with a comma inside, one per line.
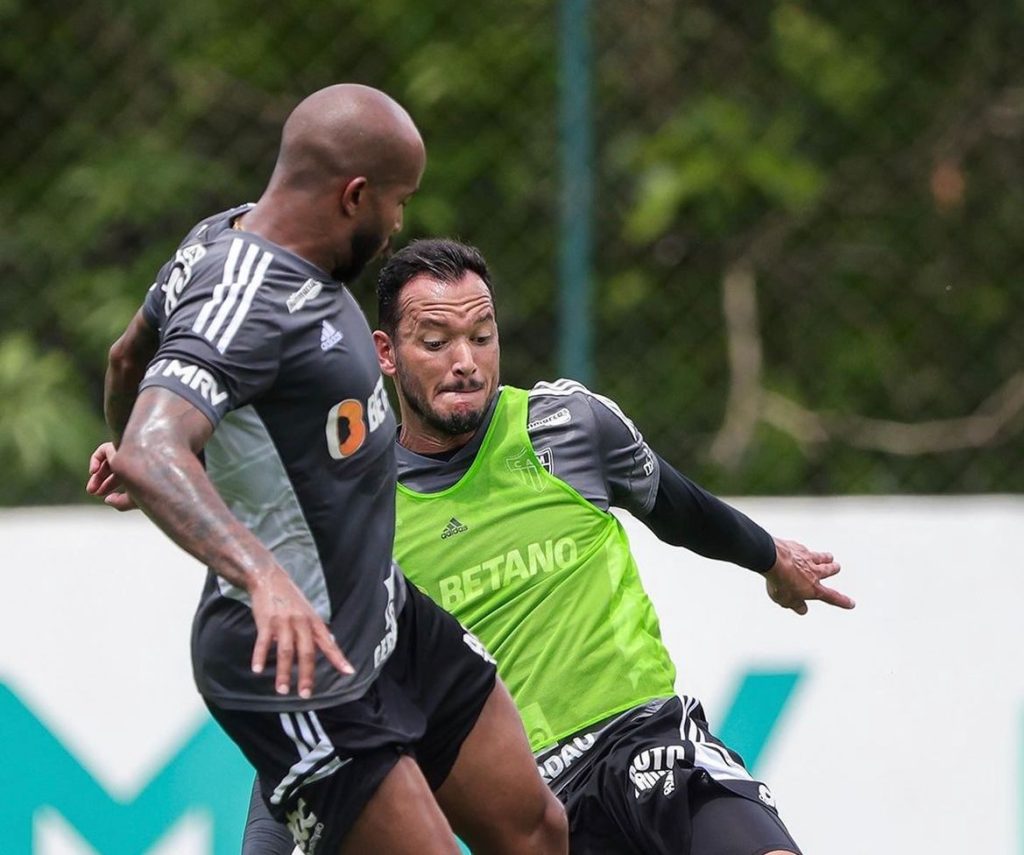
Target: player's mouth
(462,395)
(463,390)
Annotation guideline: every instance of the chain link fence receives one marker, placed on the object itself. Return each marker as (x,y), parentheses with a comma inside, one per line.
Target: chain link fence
(807,217)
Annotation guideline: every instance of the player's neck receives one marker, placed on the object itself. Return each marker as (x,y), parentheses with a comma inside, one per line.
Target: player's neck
(420,438)
(277,224)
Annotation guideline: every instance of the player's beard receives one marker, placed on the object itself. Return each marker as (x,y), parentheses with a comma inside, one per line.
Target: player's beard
(366,246)
(452,424)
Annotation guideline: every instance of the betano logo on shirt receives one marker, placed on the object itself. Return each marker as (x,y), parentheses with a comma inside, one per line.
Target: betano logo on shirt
(207,775)
(505,569)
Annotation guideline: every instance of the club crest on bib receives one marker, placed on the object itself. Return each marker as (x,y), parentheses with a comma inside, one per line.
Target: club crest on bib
(522,463)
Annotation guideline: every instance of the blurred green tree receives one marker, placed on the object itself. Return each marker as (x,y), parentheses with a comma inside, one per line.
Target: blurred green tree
(807,215)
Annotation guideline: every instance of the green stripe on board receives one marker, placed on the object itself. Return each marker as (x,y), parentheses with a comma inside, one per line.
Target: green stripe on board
(756,708)
(206,773)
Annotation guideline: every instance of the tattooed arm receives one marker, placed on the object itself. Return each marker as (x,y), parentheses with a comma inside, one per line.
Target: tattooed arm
(158,464)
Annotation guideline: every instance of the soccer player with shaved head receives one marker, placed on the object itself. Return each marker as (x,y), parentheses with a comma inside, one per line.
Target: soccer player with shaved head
(252,425)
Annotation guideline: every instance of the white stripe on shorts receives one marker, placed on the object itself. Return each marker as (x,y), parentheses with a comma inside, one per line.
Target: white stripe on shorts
(710,756)
(311,755)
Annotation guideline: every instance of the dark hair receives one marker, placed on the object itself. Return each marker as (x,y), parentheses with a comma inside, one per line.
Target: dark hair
(439,258)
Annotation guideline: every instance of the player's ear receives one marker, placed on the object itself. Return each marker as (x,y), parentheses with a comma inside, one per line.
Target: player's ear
(352,196)
(385,352)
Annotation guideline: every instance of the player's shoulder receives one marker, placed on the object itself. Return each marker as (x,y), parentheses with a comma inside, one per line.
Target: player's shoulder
(565,404)
(200,254)
(236,290)
(563,388)
(235,265)
(209,228)
(577,400)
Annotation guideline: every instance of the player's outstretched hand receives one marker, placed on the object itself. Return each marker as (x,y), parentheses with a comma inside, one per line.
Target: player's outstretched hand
(796,576)
(284,617)
(104,483)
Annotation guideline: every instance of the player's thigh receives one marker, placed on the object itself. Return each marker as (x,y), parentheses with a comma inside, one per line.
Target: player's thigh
(724,823)
(319,770)
(494,793)
(402,818)
(378,801)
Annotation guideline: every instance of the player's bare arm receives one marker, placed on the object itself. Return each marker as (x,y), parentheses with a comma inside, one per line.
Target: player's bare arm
(126,365)
(796,577)
(157,462)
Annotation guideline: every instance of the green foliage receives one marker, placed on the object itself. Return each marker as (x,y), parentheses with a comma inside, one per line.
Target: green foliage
(859,160)
(47,430)
(843,76)
(715,160)
(862,159)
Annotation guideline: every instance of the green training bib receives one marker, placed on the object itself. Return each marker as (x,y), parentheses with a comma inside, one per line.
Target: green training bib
(543,577)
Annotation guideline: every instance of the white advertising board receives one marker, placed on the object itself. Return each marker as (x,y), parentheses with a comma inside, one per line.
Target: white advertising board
(897,727)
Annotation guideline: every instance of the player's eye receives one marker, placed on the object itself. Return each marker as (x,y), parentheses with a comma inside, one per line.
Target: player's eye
(482,339)
(433,344)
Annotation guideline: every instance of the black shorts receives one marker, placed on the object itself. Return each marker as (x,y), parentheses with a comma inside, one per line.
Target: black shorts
(658,781)
(317,769)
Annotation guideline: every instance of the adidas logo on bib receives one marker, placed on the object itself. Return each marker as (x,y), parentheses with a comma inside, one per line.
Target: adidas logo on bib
(454,527)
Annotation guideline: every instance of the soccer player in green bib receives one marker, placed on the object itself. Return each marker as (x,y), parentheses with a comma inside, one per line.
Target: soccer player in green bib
(504,519)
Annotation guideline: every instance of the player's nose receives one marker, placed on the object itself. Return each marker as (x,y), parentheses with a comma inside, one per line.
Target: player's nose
(463,363)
